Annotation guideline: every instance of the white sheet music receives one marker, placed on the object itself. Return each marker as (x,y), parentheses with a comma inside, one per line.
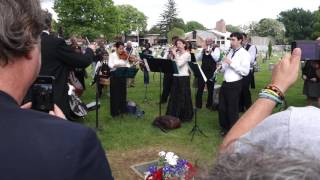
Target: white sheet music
(146,64)
(202,73)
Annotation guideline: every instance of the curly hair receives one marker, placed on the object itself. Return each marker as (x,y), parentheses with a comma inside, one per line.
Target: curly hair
(20,28)
(262,164)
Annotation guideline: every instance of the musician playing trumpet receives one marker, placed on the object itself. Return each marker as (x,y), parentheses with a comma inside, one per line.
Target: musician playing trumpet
(209,56)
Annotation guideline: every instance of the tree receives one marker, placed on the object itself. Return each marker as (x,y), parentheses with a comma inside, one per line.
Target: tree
(316,25)
(232,28)
(250,29)
(131,19)
(270,49)
(168,17)
(175,32)
(178,23)
(271,28)
(87,18)
(194,25)
(298,23)
(154,30)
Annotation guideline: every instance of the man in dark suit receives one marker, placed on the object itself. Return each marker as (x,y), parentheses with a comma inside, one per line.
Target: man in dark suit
(57,60)
(37,145)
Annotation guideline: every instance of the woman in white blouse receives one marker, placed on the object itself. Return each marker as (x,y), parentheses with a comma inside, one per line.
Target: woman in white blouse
(118,83)
(180,103)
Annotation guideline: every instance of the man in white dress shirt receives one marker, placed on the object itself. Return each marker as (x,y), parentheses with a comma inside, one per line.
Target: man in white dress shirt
(234,67)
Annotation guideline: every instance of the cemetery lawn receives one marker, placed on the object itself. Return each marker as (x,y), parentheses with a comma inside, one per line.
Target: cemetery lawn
(130,140)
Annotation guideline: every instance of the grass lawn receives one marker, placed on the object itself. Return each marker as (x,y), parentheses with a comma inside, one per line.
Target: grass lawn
(130,140)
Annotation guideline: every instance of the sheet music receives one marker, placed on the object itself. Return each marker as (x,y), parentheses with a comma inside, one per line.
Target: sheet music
(201,72)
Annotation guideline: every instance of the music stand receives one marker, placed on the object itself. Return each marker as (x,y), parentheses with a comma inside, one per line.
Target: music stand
(146,78)
(162,66)
(198,73)
(126,73)
(96,80)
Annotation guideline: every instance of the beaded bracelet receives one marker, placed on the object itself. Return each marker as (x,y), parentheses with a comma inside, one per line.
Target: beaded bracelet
(273,93)
(271,96)
(275,89)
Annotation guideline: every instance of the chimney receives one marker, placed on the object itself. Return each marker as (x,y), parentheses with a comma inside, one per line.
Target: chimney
(221,26)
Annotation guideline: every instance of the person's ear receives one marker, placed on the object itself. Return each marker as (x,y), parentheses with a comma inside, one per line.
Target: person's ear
(29,55)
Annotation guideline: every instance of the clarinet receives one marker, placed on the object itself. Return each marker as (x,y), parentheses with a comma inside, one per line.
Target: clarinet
(216,72)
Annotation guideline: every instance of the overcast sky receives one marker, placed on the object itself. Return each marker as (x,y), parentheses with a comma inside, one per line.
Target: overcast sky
(207,12)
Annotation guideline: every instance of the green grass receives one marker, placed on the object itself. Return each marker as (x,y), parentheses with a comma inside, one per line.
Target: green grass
(130,133)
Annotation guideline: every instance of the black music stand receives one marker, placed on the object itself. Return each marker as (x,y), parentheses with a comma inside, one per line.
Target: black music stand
(198,73)
(96,80)
(146,80)
(162,66)
(125,72)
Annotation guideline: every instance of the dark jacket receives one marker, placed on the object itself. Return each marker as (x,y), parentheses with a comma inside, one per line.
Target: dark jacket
(37,146)
(57,60)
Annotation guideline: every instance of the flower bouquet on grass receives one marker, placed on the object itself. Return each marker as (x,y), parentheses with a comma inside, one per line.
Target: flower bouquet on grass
(170,167)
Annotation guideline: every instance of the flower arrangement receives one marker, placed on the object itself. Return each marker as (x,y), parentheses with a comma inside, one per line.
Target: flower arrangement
(170,167)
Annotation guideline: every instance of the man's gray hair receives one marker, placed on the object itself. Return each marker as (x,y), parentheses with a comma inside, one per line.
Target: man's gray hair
(20,28)
(281,164)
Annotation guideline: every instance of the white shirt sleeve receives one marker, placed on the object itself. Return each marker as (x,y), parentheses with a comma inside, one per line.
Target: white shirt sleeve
(253,53)
(115,62)
(97,66)
(241,63)
(216,54)
(166,54)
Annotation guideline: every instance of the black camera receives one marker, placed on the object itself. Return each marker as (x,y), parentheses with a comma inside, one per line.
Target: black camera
(310,49)
(42,94)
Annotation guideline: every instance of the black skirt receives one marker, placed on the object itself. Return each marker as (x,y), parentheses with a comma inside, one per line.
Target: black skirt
(311,89)
(118,95)
(180,103)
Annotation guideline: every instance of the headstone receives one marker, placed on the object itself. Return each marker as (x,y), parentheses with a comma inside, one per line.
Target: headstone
(141,168)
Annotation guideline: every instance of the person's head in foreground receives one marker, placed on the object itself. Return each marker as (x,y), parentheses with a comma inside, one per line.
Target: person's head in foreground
(263,164)
(20,59)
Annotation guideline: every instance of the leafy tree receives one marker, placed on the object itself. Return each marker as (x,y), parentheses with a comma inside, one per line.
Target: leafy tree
(154,30)
(168,17)
(131,19)
(87,18)
(232,28)
(175,32)
(250,29)
(270,49)
(298,23)
(178,23)
(194,25)
(316,25)
(271,28)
